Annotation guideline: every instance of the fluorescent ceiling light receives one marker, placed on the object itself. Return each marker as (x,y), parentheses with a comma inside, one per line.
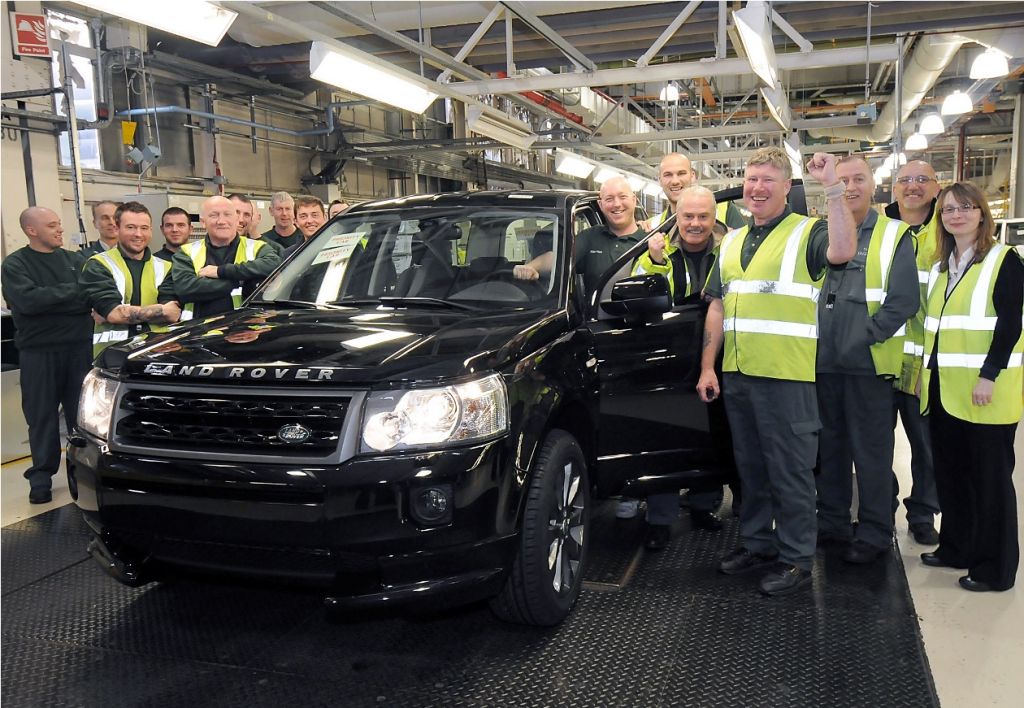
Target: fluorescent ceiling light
(756,36)
(356,72)
(990,64)
(917,141)
(605,173)
(957,103)
(652,189)
(792,146)
(778,105)
(195,19)
(932,125)
(506,130)
(573,165)
(669,94)
(636,182)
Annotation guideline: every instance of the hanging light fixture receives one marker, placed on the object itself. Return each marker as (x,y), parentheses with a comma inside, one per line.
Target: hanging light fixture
(571,164)
(916,142)
(956,104)
(669,94)
(932,125)
(197,20)
(605,173)
(755,30)
(990,64)
(882,173)
(895,161)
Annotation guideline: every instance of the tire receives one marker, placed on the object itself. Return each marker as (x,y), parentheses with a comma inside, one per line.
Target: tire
(547,573)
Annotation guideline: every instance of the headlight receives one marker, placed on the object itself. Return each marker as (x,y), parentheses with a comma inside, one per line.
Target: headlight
(96,404)
(435,416)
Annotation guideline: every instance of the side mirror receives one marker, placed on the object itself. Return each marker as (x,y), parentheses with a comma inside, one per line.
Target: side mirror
(639,295)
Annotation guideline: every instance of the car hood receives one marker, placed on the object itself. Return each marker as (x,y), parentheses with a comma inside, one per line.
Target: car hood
(351,346)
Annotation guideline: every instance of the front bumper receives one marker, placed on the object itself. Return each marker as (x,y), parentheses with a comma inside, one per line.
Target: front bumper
(347,530)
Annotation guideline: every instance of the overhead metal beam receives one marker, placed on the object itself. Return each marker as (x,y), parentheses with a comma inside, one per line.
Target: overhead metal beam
(669,32)
(804,150)
(724,131)
(581,60)
(818,59)
(800,40)
(474,39)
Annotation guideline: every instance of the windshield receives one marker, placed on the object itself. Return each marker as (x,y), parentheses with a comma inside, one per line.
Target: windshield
(457,257)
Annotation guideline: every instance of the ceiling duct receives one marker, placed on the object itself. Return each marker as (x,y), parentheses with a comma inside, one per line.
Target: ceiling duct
(931,56)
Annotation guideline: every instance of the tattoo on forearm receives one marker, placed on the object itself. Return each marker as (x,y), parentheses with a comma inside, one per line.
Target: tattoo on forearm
(138,315)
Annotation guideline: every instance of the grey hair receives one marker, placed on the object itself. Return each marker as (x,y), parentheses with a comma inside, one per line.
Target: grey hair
(280,198)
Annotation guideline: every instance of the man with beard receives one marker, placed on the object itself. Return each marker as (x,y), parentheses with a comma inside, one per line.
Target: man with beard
(121,284)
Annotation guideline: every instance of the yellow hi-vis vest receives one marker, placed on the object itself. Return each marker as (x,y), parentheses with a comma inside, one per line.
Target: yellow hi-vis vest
(196,250)
(721,210)
(913,344)
(885,236)
(964,324)
(153,273)
(771,315)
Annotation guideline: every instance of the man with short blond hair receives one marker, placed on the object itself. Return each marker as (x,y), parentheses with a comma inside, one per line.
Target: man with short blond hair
(213,276)
(285,234)
(764,309)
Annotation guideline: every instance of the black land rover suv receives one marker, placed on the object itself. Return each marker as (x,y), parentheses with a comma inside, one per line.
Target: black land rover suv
(393,416)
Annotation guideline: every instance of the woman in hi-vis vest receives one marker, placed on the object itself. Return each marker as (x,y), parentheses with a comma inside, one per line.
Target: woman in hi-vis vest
(971,386)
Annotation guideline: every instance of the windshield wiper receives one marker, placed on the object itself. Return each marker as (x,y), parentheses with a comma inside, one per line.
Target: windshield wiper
(302,304)
(394,301)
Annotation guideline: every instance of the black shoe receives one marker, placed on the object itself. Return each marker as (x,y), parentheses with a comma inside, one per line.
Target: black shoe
(657,537)
(933,560)
(785,579)
(741,561)
(40,495)
(706,520)
(862,553)
(968,583)
(826,538)
(924,533)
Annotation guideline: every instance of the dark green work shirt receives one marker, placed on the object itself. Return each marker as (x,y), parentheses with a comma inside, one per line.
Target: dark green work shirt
(597,248)
(43,293)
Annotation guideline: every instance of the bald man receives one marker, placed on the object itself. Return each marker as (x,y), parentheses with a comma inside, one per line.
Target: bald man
(676,174)
(599,246)
(213,276)
(915,189)
(54,339)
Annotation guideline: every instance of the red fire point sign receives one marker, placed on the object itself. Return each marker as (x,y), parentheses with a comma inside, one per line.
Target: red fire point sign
(30,34)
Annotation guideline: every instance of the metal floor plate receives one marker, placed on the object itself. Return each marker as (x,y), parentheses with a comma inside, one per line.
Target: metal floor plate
(677,634)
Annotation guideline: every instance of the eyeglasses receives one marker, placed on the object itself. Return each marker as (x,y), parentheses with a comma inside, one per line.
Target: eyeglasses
(920,179)
(963,208)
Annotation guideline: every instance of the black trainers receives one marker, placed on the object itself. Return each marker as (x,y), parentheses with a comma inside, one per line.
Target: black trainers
(658,536)
(741,561)
(924,533)
(785,579)
(40,495)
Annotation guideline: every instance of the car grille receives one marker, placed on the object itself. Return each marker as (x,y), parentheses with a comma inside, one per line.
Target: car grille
(236,422)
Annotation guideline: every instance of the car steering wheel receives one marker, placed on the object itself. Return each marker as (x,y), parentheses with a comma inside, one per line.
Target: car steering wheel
(532,288)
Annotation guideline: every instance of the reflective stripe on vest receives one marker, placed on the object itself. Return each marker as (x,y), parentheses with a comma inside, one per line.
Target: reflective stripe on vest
(771,305)
(963,344)
(887,356)
(924,240)
(246,251)
(153,273)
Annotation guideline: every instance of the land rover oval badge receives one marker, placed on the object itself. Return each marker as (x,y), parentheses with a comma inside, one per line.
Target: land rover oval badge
(293,433)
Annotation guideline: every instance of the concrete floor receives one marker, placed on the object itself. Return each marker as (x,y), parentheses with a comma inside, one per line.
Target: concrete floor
(973,641)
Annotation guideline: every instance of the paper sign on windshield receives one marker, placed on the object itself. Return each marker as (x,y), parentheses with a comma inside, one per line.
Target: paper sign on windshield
(338,247)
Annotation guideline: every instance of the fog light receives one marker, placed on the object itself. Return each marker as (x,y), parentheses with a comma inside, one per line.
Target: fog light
(432,505)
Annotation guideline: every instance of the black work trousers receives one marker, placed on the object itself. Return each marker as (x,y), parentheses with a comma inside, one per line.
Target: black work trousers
(973,475)
(50,380)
